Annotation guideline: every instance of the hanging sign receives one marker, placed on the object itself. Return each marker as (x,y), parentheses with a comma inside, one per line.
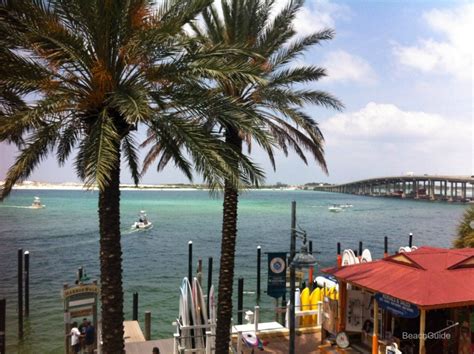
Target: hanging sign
(396,306)
(276,284)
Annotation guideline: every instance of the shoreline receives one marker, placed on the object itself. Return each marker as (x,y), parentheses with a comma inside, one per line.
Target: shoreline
(128,187)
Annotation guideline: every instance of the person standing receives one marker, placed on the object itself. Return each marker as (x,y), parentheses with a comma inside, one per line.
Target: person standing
(89,339)
(75,337)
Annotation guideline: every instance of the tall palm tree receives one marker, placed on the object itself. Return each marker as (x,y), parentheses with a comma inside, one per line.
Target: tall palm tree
(275,102)
(82,75)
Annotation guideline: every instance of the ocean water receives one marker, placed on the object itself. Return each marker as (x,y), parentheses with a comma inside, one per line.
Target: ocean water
(64,236)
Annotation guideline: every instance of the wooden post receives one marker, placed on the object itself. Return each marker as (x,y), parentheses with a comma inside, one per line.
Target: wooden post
(360,248)
(27,283)
(291,317)
(311,269)
(422,331)
(259,266)
(190,261)
(410,239)
(67,340)
(385,247)
(375,337)
(80,273)
(147,325)
(240,300)
(135,307)
(339,256)
(199,271)
(341,305)
(3,315)
(209,280)
(20,294)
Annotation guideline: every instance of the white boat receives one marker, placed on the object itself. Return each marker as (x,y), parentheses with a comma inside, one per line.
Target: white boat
(143,223)
(335,209)
(37,203)
(344,206)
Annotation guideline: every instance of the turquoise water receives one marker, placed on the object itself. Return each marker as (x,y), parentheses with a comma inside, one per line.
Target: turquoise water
(64,236)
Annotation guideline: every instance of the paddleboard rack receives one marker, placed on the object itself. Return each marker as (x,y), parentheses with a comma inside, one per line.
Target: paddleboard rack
(179,339)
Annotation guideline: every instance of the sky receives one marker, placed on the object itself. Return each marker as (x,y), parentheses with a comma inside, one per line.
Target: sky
(404,71)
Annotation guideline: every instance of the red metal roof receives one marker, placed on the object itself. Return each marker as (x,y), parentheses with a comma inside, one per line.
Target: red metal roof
(428,277)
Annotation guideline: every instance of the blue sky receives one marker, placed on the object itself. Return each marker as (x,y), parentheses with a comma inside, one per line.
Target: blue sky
(405,74)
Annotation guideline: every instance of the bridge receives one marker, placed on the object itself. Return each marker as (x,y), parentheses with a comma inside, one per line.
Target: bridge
(430,187)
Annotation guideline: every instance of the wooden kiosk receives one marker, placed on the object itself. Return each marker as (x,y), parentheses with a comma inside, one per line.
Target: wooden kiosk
(80,301)
(422,300)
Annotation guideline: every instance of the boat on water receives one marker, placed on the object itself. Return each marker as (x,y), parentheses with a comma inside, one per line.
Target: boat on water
(335,208)
(37,203)
(344,206)
(143,223)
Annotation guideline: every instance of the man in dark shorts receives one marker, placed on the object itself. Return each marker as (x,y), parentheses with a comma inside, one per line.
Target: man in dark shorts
(89,339)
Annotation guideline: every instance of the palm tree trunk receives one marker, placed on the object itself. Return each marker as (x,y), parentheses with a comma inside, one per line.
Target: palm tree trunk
(111,265)
(226,272)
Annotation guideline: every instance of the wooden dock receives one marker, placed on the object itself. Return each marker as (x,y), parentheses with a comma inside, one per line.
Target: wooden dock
(132,332)
(165,346)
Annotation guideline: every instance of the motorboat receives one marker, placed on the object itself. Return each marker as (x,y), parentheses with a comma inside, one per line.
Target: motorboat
(37,203)
(143,223)
(335,208)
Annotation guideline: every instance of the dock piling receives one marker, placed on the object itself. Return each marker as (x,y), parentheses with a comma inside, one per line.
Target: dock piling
(385,247)
(240,300)
(339,256)
(259,264)
(199,271)
(20,294)
(209,280)
(80,273)
(3,315)
(147,325)
(27,283)
(135,307)
(410,240)
(360,248)
(190,261)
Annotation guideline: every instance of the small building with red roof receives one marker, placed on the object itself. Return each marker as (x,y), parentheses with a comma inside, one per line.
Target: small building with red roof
(426,291)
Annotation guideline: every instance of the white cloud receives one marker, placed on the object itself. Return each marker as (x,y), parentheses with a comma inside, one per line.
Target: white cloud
(387,124)
(382,139)
(344,67)
(315,15)
(453,53)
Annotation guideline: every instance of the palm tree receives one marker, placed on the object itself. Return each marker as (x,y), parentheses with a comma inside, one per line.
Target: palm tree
(275,102)
(82,75)
(465,236)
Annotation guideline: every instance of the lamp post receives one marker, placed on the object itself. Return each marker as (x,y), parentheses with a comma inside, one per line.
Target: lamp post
(297,260)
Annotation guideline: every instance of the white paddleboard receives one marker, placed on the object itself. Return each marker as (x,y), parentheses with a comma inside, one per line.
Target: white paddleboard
(184,313)
(200,313)
(366,256)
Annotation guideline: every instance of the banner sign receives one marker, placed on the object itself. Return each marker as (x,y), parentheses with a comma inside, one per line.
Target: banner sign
(276,284)
(396,306)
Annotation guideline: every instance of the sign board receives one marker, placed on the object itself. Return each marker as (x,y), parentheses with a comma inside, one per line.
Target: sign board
(396,306)
(329,314)
(276,283)
(359,310)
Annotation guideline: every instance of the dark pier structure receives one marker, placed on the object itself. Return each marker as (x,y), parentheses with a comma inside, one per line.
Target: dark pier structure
(430,187)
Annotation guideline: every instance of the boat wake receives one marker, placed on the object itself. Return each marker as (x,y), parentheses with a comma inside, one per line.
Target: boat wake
(18,207)
(134,230)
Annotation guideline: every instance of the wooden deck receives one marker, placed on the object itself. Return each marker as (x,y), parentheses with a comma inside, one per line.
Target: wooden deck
(132,332)
(305,343)
(165,346)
